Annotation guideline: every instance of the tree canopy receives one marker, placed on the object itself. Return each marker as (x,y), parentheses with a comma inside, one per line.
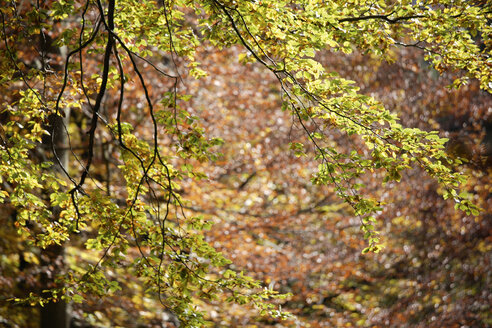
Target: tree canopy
(120,144)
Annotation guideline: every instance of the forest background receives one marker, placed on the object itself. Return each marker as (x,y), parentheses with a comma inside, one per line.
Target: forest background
(212,163)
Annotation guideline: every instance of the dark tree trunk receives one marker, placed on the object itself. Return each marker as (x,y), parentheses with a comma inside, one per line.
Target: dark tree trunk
(55,314)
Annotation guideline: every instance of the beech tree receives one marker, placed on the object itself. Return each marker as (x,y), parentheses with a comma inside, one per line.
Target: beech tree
(103,145)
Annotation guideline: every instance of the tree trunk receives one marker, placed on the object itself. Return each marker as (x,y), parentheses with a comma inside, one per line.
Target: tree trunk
(55,314)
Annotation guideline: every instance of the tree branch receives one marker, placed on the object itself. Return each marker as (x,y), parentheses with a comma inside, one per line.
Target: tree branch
(383,17)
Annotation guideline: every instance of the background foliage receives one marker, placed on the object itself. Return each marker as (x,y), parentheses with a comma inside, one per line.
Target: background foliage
(178,163)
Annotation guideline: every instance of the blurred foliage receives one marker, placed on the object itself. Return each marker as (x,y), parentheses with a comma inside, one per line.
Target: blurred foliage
(229,161)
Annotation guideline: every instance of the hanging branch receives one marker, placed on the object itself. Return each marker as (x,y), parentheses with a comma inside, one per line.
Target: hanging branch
(102,89)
